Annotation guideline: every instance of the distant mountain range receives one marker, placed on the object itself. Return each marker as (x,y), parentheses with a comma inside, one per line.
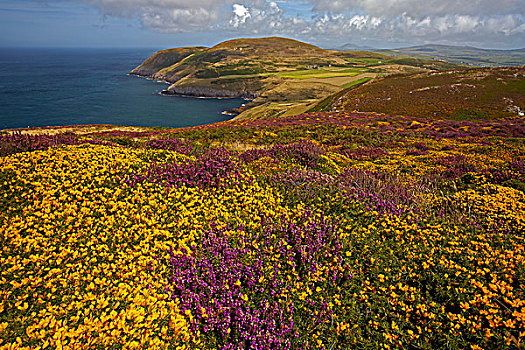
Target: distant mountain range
(454,54)
(462,55)
(354,47)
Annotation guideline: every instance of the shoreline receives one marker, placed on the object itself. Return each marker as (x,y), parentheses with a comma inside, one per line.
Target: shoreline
(88,128)
(231,112)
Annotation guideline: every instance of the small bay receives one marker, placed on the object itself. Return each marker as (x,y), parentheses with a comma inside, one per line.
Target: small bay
(76,86)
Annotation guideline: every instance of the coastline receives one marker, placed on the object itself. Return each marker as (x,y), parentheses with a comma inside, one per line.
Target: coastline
(94,88)
(201,93)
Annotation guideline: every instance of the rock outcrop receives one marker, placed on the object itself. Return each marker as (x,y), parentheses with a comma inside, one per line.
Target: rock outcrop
(198,91)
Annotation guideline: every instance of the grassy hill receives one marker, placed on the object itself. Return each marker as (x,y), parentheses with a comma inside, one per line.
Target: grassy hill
(271,71)
(478,93)
(463,55)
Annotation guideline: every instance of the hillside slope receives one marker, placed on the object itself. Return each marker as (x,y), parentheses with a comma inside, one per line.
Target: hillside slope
(479,93)
(164,58)
(271,71)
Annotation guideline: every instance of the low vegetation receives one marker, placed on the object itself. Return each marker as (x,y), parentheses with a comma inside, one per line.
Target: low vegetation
(356,82)
(466,94)
(317,231)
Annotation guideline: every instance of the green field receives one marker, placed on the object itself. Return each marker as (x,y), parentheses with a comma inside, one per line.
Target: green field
(321,73)
(360,81)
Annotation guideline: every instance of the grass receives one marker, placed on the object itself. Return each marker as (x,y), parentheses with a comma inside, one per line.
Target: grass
(321,73)
(368,62)
(352,83)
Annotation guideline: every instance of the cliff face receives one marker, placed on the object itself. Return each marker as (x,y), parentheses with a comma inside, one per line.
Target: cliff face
(201,91)
(142,72)
(167,78)
(248,88)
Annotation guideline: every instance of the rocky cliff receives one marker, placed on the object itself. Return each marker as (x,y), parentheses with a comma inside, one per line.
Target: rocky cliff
(201,91)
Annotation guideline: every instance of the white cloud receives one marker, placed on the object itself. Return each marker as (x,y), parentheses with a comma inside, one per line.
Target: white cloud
(167,15)
(518,30)
(361,22)
(240,15)
(178,19)
(420,9)
(386,20)
(240,11)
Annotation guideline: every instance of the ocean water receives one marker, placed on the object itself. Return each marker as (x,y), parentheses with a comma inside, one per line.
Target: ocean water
(43,87)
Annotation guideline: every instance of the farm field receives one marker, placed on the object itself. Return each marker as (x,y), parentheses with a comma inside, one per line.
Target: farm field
(315,231)
(322,73)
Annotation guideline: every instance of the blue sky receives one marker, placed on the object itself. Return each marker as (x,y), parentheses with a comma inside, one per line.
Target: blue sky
(328,23)
(31,23)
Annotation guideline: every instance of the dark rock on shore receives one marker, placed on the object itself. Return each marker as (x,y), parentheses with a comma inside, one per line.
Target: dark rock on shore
(143,72)
(198,91)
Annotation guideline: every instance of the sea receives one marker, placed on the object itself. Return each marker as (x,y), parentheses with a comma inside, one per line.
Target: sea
(77,86)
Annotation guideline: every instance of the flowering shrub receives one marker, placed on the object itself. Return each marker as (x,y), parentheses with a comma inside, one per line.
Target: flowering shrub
(18,142)
(365,153)
(381,232)
(239,295)
(171,144)
(210,168)
(304,153)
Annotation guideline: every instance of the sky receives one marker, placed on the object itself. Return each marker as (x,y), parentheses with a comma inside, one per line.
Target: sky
(327,23)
